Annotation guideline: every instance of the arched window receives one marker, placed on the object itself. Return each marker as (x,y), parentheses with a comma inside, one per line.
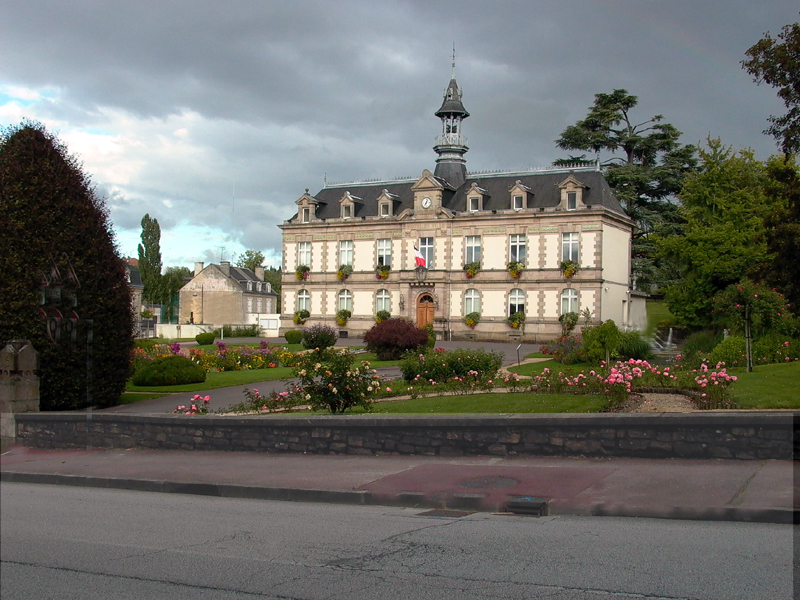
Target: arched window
(346,300)
(383,301)
(472,301)
(569,301)
(516,301)
(304,300)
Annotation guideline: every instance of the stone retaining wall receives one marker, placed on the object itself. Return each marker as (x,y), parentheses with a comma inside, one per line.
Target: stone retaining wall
(666,435)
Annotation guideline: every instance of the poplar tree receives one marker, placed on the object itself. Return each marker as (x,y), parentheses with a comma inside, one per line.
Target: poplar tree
(150,260)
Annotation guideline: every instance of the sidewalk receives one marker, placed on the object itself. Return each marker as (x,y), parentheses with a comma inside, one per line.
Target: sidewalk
(669,488)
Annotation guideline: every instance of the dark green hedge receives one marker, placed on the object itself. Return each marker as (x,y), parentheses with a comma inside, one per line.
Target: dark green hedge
(50,211)
(172,370)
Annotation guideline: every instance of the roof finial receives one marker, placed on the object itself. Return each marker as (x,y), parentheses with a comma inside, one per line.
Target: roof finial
(454,61)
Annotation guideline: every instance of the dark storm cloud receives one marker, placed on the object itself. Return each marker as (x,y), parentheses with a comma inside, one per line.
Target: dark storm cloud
(270,97)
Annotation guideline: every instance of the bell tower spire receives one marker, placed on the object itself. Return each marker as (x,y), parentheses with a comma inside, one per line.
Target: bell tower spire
(451,145)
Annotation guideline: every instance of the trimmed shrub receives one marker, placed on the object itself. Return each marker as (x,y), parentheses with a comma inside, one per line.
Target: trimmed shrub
(293,336)
(775,348)
(173,370)
(319,337)
(698,346)
(731,351)
(205,339)
(228,331)
(632,345)
(53,217)
(392,338)
(431,336)
(444,366)
(147,343)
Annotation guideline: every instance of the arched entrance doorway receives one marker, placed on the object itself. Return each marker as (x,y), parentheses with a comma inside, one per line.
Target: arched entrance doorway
(424,310)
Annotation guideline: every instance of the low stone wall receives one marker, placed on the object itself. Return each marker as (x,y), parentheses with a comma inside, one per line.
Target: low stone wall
(693,435)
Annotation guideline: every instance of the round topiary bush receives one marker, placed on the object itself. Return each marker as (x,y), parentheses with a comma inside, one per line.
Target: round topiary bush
(319,337)
(205,339)
(172,370)
(392,338)
(293,336)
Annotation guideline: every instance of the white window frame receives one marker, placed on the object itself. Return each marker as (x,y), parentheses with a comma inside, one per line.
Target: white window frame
(384,210)
(473,203)
(517,202)
(472,301)
(569,301)
(305,215)
(347,211)
(383,301)
(572,200)
(304,300)
(472,249)
(518,248)
(570,246)
(345,300)
(304,254)
(516,301)
(426,246)
(384,252)
(250,304)
(345,253)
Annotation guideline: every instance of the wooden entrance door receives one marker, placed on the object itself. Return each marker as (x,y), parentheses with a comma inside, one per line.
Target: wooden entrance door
(424,310)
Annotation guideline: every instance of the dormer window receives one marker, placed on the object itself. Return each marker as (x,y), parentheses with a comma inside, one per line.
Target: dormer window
(347,211)
(305,215)
(519,195)
(384,210)
(572,192)
(474,204)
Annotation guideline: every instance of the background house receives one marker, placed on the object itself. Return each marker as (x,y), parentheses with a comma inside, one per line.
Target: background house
(544,220)
(225,295)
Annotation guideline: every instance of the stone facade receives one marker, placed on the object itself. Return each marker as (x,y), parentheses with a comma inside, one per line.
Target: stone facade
(452,218)
(226,295)
(746,436)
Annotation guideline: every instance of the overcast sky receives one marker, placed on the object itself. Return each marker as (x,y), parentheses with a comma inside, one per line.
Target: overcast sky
(213,117)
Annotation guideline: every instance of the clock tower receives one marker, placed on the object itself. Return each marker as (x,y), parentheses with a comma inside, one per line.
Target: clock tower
(451,145)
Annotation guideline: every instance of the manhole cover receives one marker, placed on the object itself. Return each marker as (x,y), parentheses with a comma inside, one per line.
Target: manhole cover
(489,482)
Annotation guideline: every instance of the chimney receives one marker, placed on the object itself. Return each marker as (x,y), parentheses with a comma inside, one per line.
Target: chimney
(198,266)
(260,273)
(225,267)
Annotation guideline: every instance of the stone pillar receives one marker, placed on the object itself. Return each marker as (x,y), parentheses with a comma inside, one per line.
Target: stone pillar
(19,386)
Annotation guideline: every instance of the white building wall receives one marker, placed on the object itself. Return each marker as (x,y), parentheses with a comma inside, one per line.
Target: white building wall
(588,241)
(291,257)
(552,251)
(362,303)
(440,252)
(457,253)
(616,256)
(363,255)
(493,303)
(494,251)
(316,256)
(552,304)
(456,304)
(332,264)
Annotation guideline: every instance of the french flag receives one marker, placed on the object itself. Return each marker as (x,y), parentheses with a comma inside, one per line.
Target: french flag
(419,258)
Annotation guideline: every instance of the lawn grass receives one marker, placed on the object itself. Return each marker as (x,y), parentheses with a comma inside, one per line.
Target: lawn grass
(219,380)
(489,404)
(768,386)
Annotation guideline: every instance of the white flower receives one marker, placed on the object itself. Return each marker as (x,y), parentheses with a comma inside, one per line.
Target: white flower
(308,396)
(334,390)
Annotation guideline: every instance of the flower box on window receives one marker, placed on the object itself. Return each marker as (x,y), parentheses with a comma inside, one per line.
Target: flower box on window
(471,269)
(344,272)
(302,272)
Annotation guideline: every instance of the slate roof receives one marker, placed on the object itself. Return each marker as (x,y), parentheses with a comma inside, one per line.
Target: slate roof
(452,102)
(544,192)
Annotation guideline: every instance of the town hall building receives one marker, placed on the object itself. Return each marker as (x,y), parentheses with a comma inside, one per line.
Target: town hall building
(492,256)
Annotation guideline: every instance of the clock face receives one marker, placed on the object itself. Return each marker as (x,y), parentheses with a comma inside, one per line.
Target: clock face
(426,202)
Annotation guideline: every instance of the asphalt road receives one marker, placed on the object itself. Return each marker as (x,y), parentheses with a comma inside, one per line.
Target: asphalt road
(64,542)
